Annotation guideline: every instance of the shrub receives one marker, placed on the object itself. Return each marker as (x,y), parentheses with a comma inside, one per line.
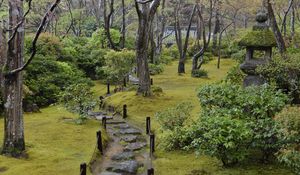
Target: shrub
(249,109)
(285,74)
(78,98)
(118,64)
(99,39)
(222,137)
(235,76)
(199,73)
(172,123)
(155,69)
(171,51)
(289,155)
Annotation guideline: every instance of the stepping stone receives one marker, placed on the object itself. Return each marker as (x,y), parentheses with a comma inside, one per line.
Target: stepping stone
(130,166)
(100,117)
(110,173)
(122,126)
(123,156)
(129,138)
(115,122)
(130,131)
(135,146)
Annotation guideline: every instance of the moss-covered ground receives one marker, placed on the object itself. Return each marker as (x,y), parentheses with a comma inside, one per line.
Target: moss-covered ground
(55,144)
(176,89)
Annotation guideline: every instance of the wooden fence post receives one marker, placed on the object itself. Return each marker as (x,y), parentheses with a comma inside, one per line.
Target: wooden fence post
(150,171)
(125,81)
(148,125)
(99,142)
(151,81)
(108,88)
(152,144)
(83,169)
(124,111)
(104,122)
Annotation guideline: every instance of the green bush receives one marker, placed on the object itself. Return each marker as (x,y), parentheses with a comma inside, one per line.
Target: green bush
(99,39)
(78,99)
(289,155)
(155,69)
(284,73)
(172,124)
(171,52)
(235,76)
(222,137)
(118,65)
(250,111)
(199,73)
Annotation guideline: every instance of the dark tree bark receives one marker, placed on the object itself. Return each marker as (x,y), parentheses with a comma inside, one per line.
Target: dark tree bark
(108,21)
(216,31)
(284,23)
(220,43)
(146,11)
(279,39)
(182,48)
(196,65)
(123,31)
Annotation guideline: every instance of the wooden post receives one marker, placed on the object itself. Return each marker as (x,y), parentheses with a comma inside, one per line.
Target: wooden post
(125,82)
(124,111)
(148,125)
(108,88)
(151,81)
(104,122)
(152,144)
(99,142)
(83,169)
(150,171)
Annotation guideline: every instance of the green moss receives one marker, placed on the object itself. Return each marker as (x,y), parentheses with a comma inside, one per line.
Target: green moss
(54,144)
(259,38)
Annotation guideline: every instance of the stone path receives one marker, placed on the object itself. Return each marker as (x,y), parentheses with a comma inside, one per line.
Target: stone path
(126,153)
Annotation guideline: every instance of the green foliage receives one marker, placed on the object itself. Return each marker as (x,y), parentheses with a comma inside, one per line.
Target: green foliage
(172,123)
(235,76)
(78,98)
(171,52)
(258,38)
(155,69)
(118,64)
(289,155)
(284,73)
(222,137)
(99,39)
(243,114)
(199,73)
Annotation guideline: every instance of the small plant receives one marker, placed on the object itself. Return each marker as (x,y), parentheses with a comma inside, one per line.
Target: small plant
(78,99)
(156,69)
(199,73)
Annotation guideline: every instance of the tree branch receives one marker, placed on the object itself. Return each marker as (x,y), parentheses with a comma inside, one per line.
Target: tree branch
(37,35)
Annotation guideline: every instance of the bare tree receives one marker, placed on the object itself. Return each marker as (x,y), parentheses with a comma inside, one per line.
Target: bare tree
(108,21)
(182,48)
(14,142)
(123,31)
(206,39)
(146,11)
(284,23)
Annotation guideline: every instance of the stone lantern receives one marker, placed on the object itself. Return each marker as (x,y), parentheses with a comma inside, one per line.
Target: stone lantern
(259,43)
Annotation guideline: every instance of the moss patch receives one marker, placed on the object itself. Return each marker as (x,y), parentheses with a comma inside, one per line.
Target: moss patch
(259,38)
(55,145)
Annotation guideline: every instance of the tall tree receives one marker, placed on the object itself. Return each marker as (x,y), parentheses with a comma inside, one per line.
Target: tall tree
(108,22)
(145,11)
(14,142)
(279,39)
(182,45)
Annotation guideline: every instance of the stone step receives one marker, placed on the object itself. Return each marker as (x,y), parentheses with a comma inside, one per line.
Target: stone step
(135,146)
(115,122)
(130,166)
(110,173)
(129,138)
(123,156)
(130,131)
(100,117)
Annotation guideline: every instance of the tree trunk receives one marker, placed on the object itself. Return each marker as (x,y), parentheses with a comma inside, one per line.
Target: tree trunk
(145,14)
(216,31)
(14,142)
(108,22)
(274,26)
(160,36)
(123,31)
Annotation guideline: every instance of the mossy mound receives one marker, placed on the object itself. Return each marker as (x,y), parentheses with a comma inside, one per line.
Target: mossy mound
(259,38)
